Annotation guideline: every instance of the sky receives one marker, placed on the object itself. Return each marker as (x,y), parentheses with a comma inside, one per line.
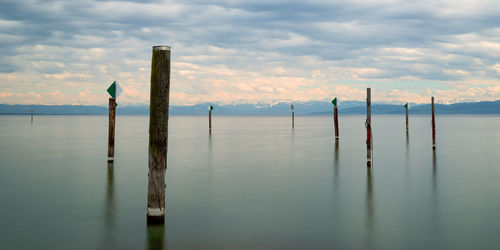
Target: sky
(258,51)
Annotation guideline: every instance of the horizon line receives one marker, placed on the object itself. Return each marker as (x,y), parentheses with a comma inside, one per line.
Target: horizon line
(244,103)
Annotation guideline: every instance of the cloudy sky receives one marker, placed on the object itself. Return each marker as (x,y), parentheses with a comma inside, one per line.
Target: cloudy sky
(259,51)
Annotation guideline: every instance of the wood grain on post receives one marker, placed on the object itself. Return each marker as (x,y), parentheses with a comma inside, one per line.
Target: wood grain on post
(111,129)
(336,122)
(158,133)
(433,125)
(407,120)
(210,119)
(368,128)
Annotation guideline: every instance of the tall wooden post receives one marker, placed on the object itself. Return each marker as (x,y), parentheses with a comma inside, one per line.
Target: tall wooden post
(293,116)
(111,130)
(335,118)
(158,133)
(406,117)
(368,126)
(210,119)
(433,125)
(336,122)
(31,115)
(210,108)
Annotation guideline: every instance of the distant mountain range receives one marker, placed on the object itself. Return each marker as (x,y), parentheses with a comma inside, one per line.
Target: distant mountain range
(301,108)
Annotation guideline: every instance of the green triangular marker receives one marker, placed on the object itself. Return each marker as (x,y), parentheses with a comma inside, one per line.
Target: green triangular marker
(114,90)
(334,101)
(406,106)
(211,107)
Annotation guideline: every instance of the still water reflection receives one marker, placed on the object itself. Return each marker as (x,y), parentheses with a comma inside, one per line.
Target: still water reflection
(370,210)
(110,206)
(251,183)
(156,235)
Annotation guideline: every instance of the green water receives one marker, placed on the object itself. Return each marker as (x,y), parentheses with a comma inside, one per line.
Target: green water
(254,183)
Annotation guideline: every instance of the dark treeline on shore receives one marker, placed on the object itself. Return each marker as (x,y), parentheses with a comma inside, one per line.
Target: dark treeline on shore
(301,108)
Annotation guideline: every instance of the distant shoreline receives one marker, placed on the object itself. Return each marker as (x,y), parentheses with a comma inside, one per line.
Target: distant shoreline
(301,108)
(256,115)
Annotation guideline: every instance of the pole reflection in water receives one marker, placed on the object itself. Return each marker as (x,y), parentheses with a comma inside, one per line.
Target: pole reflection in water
(370,210)
(110,206)
(210,139)
(336,164)
(435,220)
(407,169)
(434,183)
(434,172)
(292,148)
(210,154)
(110,201)
(156,236)
(407,142)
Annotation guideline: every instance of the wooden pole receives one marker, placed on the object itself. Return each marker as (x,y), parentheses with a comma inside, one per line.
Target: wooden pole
(293,116)
(336,122)
(111,130)
(433,125)
(407,119)
(210,120)
(368,126)
(158,133)
(31,115)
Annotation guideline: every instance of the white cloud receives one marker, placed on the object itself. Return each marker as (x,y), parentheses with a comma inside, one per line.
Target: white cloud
(68,52)
(496,67)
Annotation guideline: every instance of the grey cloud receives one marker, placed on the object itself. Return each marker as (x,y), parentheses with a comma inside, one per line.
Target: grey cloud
(342,33)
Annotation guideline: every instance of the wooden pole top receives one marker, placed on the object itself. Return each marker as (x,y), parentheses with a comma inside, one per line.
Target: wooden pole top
(161,47)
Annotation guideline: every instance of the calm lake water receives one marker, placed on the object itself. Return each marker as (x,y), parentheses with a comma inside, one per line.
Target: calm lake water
(254,183)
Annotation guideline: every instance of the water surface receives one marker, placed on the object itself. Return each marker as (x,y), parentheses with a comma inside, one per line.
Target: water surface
(253,183)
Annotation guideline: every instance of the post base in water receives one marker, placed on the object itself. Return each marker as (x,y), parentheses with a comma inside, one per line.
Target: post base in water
(433,147)
(369,164)
(110,159)
(156,216)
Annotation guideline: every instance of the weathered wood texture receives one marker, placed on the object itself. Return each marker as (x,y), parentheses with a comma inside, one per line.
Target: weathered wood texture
(368,128)
(111,129)
(433,125)
(210,119)
(406,119)
(158,133)
(336,121)
(293,119)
